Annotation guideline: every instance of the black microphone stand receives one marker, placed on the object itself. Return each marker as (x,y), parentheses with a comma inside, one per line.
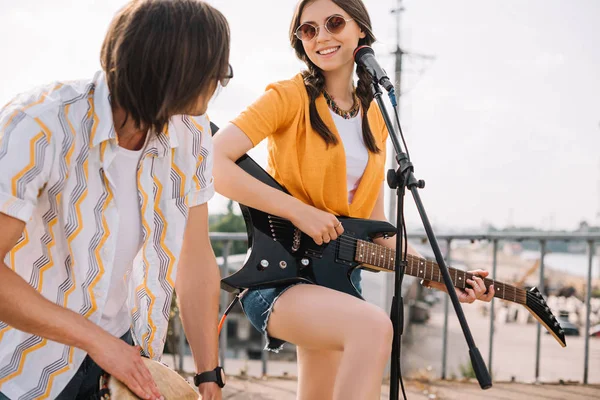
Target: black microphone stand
(401,179)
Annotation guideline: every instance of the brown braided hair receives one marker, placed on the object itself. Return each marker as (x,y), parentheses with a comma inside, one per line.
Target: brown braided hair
(315,81)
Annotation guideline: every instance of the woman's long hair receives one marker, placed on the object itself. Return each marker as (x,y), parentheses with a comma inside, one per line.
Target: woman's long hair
(315,81)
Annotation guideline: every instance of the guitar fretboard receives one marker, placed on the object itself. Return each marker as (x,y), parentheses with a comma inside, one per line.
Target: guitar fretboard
(382,258)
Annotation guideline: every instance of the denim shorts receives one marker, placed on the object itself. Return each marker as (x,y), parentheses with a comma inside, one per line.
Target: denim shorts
(258,305)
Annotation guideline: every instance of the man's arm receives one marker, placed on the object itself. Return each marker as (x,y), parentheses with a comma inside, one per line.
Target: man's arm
(23,308)
(197,288)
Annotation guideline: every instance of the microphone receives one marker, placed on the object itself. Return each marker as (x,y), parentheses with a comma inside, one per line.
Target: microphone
(365,56)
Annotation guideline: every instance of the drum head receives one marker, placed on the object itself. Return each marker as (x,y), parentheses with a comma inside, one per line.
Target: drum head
(171,385)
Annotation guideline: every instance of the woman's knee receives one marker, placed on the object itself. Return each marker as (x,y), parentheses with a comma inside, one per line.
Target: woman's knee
(383,330)
(374,328)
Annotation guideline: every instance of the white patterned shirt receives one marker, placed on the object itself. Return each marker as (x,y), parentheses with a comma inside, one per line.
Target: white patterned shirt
(56,146)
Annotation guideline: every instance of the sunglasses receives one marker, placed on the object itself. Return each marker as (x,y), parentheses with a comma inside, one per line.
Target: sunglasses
(224,81)
(334,25)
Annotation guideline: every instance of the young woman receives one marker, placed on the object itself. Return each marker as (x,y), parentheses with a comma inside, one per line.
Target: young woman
(327,147)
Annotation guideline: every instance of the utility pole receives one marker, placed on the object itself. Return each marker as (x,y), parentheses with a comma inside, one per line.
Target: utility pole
(398,54)
(391,156)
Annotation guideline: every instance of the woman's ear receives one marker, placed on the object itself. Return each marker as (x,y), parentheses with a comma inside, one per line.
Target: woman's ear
(362,34)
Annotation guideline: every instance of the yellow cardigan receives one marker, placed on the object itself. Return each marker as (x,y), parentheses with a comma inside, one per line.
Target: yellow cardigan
(299,158)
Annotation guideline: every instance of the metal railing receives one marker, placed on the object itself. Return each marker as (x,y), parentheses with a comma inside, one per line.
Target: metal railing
(592,240)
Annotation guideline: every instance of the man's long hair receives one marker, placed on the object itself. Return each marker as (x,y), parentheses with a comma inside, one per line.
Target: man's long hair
(159,56)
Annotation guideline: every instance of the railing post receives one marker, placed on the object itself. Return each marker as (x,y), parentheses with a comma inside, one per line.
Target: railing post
(264,357)
(181,341)
(445,331)
(224,300)
(588,306)
(492,314)
(539,326)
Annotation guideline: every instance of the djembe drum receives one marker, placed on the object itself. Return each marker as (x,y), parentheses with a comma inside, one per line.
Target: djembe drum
(170,384)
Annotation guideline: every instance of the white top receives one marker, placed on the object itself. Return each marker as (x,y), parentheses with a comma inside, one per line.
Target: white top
(357,154)
(116,318)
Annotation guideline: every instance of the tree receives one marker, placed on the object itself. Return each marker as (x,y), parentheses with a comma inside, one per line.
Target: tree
(229,222)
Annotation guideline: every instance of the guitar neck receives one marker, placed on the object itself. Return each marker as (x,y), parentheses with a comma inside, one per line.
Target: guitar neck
(382,258)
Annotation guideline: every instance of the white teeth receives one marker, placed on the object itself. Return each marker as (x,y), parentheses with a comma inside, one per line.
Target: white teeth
(328,51)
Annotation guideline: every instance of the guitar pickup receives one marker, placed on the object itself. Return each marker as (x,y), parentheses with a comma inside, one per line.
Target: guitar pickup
(316,253)
(345,254)
(309,248)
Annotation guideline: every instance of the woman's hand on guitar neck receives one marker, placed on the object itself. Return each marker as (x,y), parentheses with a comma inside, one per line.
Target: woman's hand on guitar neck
(124,363)
(321,226)
(468,295)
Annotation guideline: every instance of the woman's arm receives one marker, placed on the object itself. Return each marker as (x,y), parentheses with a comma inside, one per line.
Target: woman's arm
(231,181)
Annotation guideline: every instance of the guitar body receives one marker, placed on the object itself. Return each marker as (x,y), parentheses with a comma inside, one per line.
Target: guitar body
(280,254)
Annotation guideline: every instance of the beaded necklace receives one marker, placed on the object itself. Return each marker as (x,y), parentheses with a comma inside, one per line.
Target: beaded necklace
(346,114)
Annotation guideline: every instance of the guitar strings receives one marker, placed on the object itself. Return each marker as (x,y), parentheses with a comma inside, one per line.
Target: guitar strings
(287,225)
(349,240)
(353,242)
(350,243)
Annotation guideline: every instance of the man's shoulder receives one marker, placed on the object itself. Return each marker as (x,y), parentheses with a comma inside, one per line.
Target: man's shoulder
(192,132)
(50,98)
(193,123)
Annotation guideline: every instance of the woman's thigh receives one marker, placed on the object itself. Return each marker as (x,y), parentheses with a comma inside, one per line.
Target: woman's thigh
(317,371)
(318,318)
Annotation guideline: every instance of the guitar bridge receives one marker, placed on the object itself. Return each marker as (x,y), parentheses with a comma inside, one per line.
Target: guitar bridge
(296,240)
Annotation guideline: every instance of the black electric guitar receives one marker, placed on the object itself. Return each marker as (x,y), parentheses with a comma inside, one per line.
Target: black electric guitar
(279,253)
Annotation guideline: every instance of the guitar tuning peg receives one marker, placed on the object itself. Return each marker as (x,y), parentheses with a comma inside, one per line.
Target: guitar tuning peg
(556,323)
(561,331)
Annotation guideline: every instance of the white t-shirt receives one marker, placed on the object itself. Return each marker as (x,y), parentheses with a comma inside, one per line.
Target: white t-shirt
(357,155)
(123,170)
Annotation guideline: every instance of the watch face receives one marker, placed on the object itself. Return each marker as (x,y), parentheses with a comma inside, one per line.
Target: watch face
(223,377)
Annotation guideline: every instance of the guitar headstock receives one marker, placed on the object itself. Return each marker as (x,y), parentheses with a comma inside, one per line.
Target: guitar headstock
(536,304)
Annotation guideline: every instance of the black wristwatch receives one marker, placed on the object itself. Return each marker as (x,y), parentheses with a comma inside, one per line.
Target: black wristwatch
(216,375)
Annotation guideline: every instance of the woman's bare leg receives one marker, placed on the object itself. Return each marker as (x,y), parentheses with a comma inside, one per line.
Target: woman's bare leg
(318,318)
(317,370)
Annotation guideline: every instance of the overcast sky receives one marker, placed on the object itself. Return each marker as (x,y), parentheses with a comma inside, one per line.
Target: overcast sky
(504,123)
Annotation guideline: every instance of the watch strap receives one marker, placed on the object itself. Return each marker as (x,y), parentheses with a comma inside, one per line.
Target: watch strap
(209,376)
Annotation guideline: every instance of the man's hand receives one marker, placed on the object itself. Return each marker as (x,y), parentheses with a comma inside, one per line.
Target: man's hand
(210,391)
(468,295)
(124,363)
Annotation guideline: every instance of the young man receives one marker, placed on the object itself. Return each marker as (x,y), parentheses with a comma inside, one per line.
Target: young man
(103,191)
